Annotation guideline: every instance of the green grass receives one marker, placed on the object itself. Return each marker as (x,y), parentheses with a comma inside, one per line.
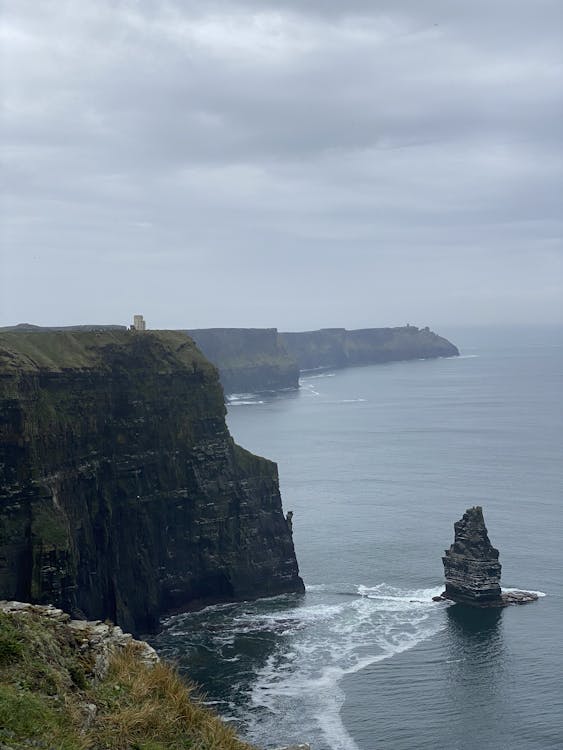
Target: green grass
(56,351)
(46,686)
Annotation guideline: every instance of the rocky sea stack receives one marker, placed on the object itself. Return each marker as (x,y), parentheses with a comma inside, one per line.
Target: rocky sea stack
(472,568)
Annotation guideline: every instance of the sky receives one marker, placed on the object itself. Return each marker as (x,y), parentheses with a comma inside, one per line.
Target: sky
(298,164)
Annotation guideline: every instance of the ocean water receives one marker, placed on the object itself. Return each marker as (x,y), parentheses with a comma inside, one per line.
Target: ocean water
(377,463)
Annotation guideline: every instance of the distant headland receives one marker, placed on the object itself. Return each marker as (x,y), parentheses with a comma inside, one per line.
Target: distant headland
(264,359)
(251,360)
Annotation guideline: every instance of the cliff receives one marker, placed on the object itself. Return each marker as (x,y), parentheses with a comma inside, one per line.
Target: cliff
(79,685)
(248,359)
(123,494)
(261,359)
(334,348)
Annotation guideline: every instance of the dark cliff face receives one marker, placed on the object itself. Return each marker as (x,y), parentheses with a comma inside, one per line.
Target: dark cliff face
(248,359)
(122,492)
(471,564)
(336,347)
(317,349)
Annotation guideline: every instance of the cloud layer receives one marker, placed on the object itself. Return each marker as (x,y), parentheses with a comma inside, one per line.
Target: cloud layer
(298,164)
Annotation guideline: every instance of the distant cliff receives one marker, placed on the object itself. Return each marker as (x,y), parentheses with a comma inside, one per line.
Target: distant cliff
(261,359)
(122,493)
(336,347)
(248,359)
(31,328)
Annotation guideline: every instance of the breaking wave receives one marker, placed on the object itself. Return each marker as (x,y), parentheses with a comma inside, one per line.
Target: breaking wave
(287,657)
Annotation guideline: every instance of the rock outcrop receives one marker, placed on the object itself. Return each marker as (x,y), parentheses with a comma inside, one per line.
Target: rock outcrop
(68,683)
(97,641)
(336,347)
(472,568)
(122,493)
(249,359)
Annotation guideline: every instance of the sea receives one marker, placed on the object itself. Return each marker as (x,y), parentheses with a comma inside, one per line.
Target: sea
(377,463)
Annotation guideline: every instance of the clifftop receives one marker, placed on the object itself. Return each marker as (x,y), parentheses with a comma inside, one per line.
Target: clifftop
(57,351)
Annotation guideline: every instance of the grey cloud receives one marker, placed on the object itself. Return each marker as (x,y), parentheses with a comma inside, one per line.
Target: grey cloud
(152,145)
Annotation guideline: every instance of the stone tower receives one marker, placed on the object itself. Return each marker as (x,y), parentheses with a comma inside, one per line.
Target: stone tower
(139,323)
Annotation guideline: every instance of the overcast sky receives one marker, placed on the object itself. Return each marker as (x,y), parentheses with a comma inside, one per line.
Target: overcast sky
(297,164)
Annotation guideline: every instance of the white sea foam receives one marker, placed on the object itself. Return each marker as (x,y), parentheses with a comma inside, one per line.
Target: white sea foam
(245,403)
(316,587)
(308,388)
(328,642)
(513,589)
(320,375)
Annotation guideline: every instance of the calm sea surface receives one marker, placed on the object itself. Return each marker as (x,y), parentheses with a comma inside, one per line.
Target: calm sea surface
(377,463)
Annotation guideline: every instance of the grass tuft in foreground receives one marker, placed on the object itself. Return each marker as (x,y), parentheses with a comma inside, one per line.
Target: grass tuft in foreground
(49,697)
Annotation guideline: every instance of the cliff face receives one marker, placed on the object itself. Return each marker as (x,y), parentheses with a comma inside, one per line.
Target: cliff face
(248,359)
(337,347)
(122,493)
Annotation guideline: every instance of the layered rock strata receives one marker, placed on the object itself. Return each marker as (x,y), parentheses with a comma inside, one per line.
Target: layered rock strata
(472,568)
(122,493)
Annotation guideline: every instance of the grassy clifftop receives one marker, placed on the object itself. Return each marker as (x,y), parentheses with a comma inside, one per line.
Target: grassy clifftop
(74,685)
(56,351)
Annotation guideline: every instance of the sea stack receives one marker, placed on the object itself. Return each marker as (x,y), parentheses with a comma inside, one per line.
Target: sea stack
(472,568)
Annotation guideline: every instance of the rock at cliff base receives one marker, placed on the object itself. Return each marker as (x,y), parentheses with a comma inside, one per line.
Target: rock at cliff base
(472,568)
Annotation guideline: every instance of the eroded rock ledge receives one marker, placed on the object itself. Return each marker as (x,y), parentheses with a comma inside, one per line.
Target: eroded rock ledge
(472,568)
(98,641)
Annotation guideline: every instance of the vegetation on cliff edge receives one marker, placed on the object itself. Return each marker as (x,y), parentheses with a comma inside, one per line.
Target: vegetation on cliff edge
(51,698)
